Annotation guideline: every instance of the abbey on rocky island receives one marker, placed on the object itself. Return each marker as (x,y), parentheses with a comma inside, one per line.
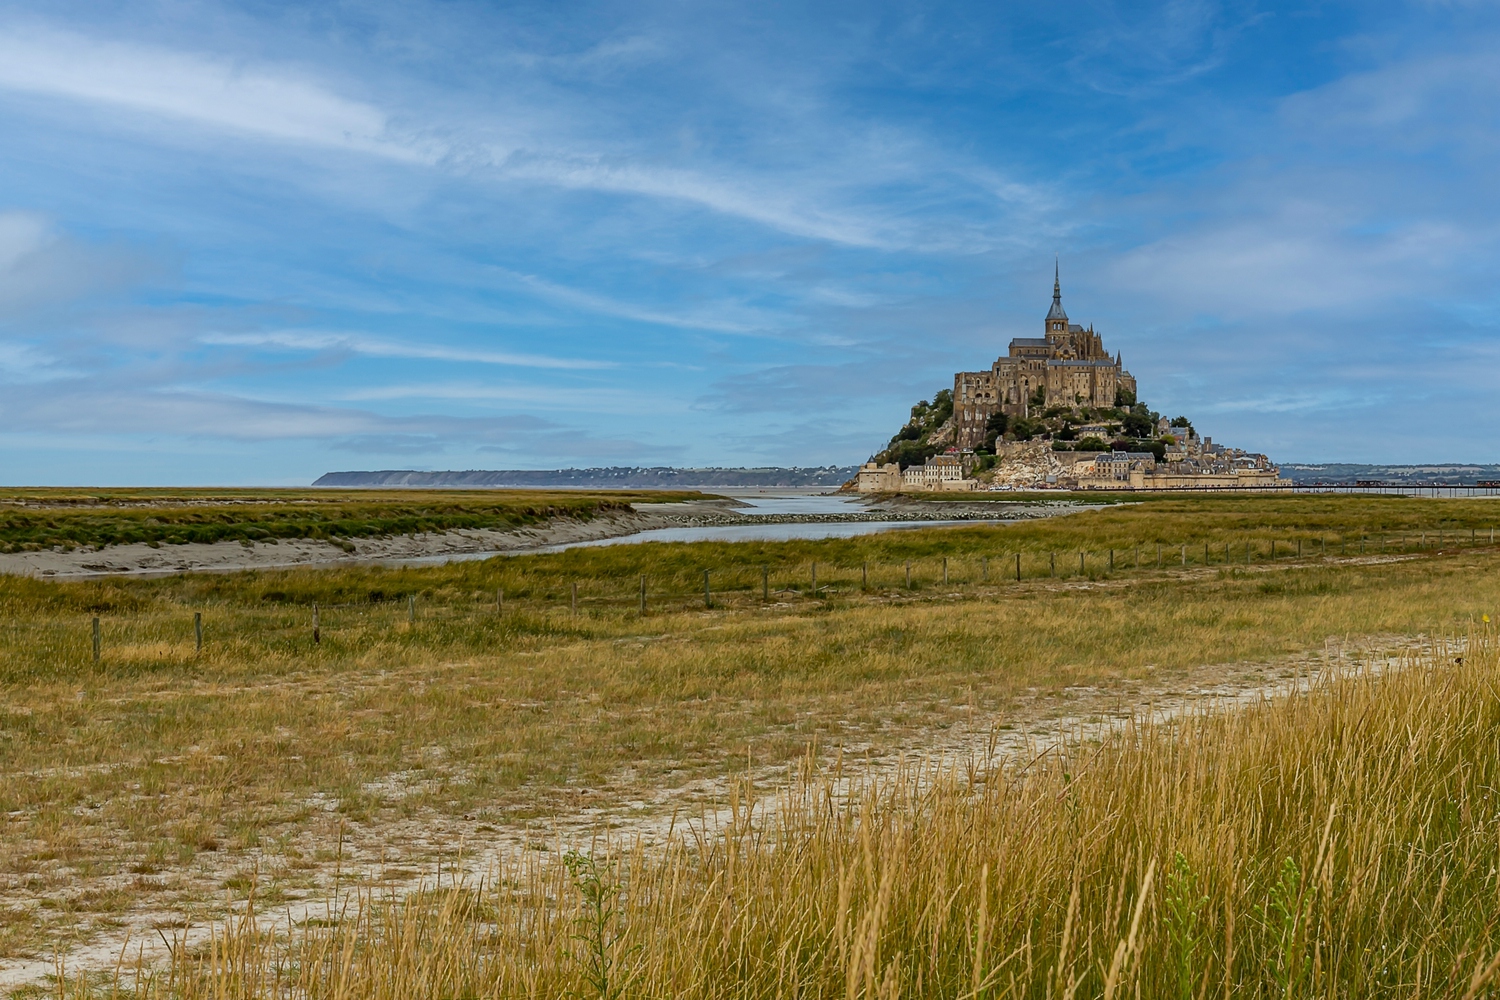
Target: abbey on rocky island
(1067,366)
(1056,411)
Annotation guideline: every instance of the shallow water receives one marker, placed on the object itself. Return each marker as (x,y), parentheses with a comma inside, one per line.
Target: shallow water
(711,533)
(758,502)
(760,532)
(761,503)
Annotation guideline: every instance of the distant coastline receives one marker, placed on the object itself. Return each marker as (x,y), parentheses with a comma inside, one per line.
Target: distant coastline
(663,477)
(1447,473)
(615,477)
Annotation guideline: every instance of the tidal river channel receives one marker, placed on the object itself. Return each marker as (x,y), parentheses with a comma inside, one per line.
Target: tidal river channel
(780,504)
(763,504)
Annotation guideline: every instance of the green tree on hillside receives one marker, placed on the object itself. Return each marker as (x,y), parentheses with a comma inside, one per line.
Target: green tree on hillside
(911,445)
(1025,428)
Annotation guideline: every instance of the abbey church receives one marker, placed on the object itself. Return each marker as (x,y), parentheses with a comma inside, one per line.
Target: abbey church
(1068,366)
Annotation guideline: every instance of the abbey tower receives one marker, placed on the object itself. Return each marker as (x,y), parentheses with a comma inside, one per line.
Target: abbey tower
(1066,366)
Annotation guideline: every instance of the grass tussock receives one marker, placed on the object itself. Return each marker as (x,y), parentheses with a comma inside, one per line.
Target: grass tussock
(1341,843)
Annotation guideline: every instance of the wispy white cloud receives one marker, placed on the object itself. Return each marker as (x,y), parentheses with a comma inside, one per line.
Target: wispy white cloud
(1431,97)
(39,265)
(777,208)
(719,319)
(593,399)
(376,347)
(278,103)
(94,408)
(21,233)
(272,103)
(1295,256)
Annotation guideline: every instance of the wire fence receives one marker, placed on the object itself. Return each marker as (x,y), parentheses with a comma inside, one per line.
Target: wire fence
(489,617)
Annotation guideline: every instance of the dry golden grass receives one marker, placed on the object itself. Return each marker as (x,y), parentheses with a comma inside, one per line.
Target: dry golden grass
(1338,844)
(162,777)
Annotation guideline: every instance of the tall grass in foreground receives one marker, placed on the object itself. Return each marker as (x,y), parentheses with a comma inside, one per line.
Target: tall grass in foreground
(1340,843)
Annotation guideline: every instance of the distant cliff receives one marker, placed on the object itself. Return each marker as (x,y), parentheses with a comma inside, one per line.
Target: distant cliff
(618,477)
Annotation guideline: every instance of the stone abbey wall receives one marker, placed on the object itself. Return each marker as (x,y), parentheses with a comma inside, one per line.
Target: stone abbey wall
(1068,364)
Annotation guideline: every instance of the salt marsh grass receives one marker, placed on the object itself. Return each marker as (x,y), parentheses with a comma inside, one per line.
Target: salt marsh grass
(34,519)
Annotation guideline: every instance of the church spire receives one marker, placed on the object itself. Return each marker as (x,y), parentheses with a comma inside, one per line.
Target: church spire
(1056,313)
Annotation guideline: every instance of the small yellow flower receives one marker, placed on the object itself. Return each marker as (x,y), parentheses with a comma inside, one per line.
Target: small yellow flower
(1486,618)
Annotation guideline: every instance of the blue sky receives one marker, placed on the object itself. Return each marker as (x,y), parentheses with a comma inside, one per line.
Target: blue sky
(251,243)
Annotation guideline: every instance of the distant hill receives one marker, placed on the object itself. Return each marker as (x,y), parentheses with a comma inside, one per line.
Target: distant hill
(1345,472)
(617,477)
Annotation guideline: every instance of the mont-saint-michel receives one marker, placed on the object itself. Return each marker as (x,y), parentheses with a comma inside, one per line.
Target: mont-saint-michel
(1055,411)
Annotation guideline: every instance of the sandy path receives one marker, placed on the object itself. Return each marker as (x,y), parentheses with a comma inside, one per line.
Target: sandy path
(415,853)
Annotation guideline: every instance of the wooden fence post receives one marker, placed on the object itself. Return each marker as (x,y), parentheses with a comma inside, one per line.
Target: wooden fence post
(1052,563)
(97,639)
(197,631)
(499,601)
(708,599)
(1080,562)
(575,597)
(643,595)
(908,574)
(765,582)
(815,578)
(945,571)
(317,636)
(411,608)
(1184,553)
(1111,560)
(1018,567)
